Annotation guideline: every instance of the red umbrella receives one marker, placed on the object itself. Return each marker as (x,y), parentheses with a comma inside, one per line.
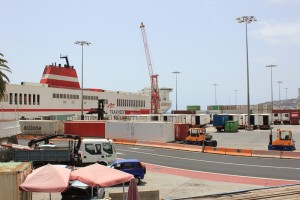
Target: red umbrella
(49,178)
(133,193)
(99,175)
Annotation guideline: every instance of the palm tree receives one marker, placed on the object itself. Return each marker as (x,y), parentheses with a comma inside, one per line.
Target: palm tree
(3,78)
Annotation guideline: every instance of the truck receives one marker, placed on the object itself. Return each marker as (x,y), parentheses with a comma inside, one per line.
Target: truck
(199,136)
(78,152)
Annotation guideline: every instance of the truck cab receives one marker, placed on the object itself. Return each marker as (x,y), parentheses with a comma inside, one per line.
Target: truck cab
(101,151)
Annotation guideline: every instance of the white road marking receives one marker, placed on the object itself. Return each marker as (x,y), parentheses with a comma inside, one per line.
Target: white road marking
(208,161)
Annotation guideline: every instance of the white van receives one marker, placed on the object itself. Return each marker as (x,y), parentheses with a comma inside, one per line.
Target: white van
(101,151)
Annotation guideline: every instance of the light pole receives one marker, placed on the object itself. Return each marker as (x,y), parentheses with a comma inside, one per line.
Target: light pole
(176,73)
(286,93)
(235,97)
(82,43)
(279,82)
(271,67)
(247,20)
(215,93)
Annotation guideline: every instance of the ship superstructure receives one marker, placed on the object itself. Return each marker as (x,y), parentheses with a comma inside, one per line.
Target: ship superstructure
(59,93)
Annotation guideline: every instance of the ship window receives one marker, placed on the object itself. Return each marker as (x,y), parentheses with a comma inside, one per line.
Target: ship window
(16,98)
(68,96)
(38,99)
(65,96)
(29,99)
(10,98)
(20,98)
(5,99)
(25,99)
(77,96)
(61,96)
(33,99)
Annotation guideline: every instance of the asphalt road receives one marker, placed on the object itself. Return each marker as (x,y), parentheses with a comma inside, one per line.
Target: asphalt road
(243,166)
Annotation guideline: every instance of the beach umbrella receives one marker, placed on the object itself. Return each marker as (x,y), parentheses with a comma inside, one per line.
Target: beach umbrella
(133,193)
(48,178)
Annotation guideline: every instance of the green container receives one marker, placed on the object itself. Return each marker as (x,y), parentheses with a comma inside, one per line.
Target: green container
(193,108)
(231,126)
(216,107)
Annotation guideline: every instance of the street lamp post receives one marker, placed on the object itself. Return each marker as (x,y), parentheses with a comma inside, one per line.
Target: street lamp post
(247,20)
(286,93)
(176,73)
(235,97)
(279,82)
(215,93)
(271,67)
(82,43)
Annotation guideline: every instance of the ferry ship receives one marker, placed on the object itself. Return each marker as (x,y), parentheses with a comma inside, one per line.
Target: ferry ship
(59,93)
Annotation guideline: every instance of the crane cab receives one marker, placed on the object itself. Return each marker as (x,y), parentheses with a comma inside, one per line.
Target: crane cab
(283,142)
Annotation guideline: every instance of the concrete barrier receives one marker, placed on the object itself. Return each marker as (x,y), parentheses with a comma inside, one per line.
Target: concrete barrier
(215,150)
(290,154)
(144,195)
(266,153)
(239,152)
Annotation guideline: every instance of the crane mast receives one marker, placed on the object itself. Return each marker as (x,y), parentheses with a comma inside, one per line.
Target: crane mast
(155,98)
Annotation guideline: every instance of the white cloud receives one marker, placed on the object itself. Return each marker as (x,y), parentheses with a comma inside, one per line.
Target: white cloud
(278,33)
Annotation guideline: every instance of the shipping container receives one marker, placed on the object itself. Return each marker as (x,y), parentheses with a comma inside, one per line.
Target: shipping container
(285,118)
(200,120)
(85,128)
(41,127)
(145,131)
(181,131)
(12,174)
(254,120)
(231,126)
(264,121)
(183,112)
(193,107)
(294,118)
(219,121)
(277,118)
(242,121)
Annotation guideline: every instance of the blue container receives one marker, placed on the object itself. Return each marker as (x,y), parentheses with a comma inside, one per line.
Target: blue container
(219,120)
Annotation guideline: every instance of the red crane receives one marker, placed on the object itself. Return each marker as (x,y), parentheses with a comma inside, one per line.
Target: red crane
(155,98)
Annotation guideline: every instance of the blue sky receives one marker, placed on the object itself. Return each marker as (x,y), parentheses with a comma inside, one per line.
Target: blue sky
(199,38)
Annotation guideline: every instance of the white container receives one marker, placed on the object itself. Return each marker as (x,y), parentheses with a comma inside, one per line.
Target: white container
(145,131)
(200,119)
(41,127)
(264,119)
(12,174)
(277,117)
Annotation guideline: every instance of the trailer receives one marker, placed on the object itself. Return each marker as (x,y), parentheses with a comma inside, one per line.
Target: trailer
(264,121)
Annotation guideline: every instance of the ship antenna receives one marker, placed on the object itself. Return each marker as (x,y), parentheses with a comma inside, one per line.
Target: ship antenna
(66,57)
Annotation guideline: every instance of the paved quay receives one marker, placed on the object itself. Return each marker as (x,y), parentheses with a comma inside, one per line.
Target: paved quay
(174,186)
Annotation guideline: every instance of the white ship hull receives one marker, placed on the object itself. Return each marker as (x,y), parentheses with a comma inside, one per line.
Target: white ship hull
(59,101)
